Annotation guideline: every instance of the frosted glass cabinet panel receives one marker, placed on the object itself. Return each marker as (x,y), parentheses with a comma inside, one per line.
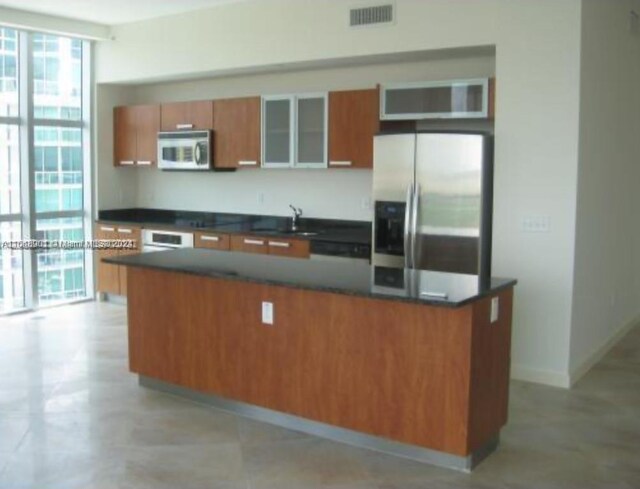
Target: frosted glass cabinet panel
(277,141)
(294,131)
(311,142)
(457,99)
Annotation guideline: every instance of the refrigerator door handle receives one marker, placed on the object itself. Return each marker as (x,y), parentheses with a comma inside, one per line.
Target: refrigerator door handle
(407,226)
(415,203)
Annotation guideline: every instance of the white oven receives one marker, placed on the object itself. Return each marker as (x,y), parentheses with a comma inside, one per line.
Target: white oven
(158,240)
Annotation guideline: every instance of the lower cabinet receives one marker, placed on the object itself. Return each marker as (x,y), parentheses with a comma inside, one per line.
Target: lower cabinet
(292,248)
(213,241)
(249,244)
(112,279)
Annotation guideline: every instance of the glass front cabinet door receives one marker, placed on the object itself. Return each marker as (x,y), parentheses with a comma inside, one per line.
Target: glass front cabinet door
(457,99)
(277,137)
(294,131)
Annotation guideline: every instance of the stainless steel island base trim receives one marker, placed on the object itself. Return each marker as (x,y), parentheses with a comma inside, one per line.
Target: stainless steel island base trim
(323,430)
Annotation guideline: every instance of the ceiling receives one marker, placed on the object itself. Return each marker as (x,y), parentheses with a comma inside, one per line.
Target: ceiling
(111,12)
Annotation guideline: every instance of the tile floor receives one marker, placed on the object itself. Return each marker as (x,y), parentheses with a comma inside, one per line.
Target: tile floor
(71,416)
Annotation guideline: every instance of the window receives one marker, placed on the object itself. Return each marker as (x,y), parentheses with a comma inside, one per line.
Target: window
(57,77)
(60,208)
(8,73)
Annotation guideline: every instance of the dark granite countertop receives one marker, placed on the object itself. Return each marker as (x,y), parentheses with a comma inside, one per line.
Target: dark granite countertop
(330,230)
(352,278)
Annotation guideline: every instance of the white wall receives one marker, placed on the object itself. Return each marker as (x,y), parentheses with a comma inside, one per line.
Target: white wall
(607,257)
(115,188)
(538,71)
(320,193)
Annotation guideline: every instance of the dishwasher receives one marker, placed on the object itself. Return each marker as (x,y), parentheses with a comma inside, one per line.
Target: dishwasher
(337,252)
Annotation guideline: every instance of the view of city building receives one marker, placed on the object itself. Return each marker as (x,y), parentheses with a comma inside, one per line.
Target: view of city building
(57,139)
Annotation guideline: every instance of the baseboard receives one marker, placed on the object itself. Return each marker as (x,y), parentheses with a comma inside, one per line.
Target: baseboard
(546,377)
(112,298)
(578,372)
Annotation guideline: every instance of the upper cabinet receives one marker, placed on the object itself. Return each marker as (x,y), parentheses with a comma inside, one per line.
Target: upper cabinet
(353,122)
(458,99)
(236,124)
(311,131)
(187,115)
(277,131)
(294,131)
(135,130)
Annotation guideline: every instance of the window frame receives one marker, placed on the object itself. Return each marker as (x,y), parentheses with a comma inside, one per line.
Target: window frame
(26,123)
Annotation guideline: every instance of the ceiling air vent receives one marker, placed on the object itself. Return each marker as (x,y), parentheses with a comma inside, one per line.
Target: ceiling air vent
(374,15)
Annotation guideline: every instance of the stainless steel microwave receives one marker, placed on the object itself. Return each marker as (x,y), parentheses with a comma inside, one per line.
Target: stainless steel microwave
(185,150)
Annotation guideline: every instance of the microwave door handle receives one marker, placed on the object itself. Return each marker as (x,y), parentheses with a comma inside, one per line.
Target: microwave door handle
(198,154)
(407,227)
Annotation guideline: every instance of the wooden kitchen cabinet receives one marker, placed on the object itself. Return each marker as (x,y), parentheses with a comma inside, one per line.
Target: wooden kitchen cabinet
(187,115)
(107,276)
(492,98)
(411,372)
(236,123)
(293,248)
(112,279)
(124,136)
(353,122)
(249,244)
(135,135)
(212,241)
(130,233)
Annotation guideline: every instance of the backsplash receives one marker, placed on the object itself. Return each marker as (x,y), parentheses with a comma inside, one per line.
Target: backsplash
(331,194)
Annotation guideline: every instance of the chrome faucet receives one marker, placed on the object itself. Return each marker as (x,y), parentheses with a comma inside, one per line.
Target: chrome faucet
(297,212)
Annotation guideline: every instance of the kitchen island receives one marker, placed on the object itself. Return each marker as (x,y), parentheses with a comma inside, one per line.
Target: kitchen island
(404,361)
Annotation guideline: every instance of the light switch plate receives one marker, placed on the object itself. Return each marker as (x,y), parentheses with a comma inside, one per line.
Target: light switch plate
(267,313)
(495,309)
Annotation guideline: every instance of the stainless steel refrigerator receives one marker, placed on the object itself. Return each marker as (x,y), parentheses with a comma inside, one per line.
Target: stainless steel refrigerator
(433,202)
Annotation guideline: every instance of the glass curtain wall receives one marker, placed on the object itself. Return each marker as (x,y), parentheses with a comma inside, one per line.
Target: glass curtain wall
(44,167)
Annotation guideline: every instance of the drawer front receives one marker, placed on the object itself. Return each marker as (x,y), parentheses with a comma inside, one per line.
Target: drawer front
(249,244)
(294,248)
(130,232)
(107,275)
(213,241)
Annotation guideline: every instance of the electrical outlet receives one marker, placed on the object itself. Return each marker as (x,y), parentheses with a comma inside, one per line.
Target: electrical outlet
(267,313)
(366,203)
(535,224)
(260,198)
(495,309)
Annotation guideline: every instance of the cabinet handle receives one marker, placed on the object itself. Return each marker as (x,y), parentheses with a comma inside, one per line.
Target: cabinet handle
(247,163)
(127,163)
(210,238)
(108,229)
(340,163)
(434,295)
(257,242)
(184,126)
(125,230)
(144,163)
(279,244)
